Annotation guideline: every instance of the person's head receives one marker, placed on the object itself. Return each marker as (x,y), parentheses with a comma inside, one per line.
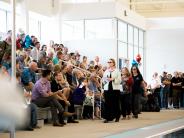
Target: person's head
(84,59)
(60,55)
(169,76)
(58,76)
(64,68)
(33,66)
(164,74)
(50,54)
(155,75)
(57,68)
(111,63)
(97,59)
(176,74)
(37,45)
(44,48)
(69,68)
(73,56)
(125,72)
(46,74)
(135,70)
(8,37)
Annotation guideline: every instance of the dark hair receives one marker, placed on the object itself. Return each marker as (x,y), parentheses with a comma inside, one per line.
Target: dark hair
(45,73)
(43,47)
(37,43)
(134,66)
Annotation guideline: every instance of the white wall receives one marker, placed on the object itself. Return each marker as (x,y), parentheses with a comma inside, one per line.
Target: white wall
(105,49)
(87,11)
(164,51)
(101,10)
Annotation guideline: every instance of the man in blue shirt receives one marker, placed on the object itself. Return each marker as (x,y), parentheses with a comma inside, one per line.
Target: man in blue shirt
(28,77)
(58,57)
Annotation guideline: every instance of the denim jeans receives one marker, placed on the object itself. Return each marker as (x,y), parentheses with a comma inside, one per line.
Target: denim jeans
(33,111)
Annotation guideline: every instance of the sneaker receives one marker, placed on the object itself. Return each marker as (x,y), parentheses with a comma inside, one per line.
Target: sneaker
(105,121)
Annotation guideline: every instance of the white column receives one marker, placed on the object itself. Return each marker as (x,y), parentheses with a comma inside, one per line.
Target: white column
(13,50)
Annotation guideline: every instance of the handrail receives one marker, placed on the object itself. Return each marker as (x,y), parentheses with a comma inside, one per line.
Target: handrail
(80,68)
(90,74)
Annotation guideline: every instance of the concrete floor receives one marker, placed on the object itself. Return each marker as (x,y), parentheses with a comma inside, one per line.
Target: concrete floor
(97,129)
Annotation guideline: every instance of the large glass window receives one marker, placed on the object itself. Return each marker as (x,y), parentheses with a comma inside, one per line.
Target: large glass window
(2,21)
(130,34)
(136,37)
(136,51)
(34,27)
(122,50)
(72,30)
(122,31)
(141,38)
(130,52)
(141,52)
(99,29)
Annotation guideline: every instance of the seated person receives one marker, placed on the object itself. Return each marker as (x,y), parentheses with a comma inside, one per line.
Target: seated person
(32,106)
(28,77)
(63,97)
(43,97)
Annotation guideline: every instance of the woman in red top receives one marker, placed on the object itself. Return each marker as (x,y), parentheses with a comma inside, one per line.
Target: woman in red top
(126,92)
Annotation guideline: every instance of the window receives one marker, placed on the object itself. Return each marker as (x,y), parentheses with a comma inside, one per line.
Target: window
(72,30)
(9,21)
(141,52)
(136,37)
(130,52)
(2,21)
(122,50)
(122,31)
(33,27)
(141,38)
(99,29)
(135,51)
(130,34)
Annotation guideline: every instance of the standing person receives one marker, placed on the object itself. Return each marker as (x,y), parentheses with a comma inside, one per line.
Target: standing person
(165,89)
(126,93)
(111,80)
(136,90)
(176,84)
(155,86)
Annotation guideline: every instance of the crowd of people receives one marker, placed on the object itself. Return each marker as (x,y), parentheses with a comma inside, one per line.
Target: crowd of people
(52,77)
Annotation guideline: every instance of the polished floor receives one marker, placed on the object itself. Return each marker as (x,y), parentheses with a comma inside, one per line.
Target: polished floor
(97,129)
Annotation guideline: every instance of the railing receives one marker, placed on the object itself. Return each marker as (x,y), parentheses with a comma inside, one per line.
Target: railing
(84,70)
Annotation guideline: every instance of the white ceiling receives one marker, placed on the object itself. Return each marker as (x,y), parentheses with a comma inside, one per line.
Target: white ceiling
(147,8)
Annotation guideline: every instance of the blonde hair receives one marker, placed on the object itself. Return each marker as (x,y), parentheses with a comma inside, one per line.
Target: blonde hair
(113,61)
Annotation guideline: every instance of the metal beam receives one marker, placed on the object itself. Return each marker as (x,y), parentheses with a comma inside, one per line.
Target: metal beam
(145,2)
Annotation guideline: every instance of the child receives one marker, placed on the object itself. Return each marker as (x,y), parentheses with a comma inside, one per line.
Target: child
(88,105)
